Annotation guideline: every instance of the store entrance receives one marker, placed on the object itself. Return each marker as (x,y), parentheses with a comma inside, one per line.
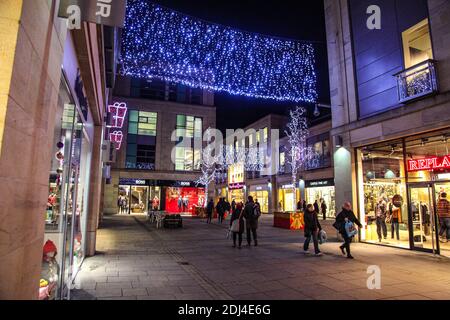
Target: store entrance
(421,206)
(138,200)
(428,231)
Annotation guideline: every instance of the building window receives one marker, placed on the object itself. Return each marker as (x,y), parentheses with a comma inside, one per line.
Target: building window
(417,44)
(265,134)
(142,127)
(188,158)
(419,78)
(320,147)
(148,89)
(142,123)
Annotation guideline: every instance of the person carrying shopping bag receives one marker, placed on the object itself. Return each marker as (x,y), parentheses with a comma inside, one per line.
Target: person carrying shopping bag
(342,225)
(312,229)
(237,225)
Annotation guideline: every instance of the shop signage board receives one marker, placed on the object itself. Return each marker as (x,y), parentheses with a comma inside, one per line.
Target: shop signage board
(106,12)
(156,183)
(429,164)
(233,186)
(320,183)
(287,186)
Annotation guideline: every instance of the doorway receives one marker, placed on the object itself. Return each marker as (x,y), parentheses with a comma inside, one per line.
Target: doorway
(427,232)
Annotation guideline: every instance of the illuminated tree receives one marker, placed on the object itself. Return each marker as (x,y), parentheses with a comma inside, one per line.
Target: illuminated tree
(298,152)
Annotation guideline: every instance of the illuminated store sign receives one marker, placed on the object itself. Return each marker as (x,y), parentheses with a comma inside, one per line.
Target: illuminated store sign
(431,163)
(233,186)
(320,183)
(287,186)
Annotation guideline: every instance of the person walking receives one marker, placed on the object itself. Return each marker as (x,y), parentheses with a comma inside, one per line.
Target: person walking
(443,211)
(380,211)
(233,205)
(220,209)
(227,208)
(252,213)
(323,209)
(312,229)
(316,207)
(346,215)
(238,215)
(209,210)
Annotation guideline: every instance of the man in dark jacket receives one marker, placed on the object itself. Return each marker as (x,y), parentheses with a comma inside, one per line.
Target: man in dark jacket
(251,218)
(209,210)
(316,207)
(312,229)
(323,208)
(220,207)
(346,215)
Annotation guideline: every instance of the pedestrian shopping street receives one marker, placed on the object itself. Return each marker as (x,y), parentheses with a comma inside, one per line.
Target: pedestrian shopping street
(137,261)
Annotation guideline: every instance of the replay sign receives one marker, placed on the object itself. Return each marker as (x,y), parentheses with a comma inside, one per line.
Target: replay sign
(105,12)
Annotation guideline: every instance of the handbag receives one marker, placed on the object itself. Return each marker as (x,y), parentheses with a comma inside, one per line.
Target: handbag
(235,226)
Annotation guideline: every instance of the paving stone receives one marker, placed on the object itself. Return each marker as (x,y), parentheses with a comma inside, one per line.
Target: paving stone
(135,292)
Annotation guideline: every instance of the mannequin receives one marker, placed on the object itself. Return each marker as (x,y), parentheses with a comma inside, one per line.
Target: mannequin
(50,272)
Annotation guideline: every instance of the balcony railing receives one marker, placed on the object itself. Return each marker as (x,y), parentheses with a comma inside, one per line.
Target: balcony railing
(417,81)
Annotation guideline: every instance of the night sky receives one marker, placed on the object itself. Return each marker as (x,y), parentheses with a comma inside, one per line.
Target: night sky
(302,20)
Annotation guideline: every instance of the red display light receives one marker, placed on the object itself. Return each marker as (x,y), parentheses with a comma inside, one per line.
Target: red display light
(118,111)
(429,164)
(116,137)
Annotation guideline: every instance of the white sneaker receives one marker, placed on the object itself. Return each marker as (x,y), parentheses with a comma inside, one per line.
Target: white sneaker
(306,252)
(319,254)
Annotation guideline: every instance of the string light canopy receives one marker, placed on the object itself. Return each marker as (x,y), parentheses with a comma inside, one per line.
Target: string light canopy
(160,43)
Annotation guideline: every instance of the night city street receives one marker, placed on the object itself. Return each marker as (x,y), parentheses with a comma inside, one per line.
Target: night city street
(225,159)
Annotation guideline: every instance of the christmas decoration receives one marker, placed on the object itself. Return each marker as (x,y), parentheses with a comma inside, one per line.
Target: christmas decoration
(118,112)
(116,137)
(298,152)
(161,43)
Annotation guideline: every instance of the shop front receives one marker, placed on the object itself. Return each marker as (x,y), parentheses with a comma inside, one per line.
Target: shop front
(261,194)
(286,199)
(68,193)
(401,184)
(236,185)
(139,196)
(322,192)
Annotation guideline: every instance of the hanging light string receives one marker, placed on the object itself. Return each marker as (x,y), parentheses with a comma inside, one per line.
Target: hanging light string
(161,43)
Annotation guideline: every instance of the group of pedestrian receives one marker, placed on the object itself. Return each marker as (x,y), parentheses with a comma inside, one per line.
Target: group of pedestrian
(245,215)
(345,224)
(320,207)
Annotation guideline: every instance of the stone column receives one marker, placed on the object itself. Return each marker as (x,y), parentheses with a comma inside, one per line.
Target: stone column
(31,53)
(95,187)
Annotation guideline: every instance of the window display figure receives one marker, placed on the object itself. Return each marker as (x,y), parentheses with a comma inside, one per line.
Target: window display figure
(443,211)
(381,220)
(50,272)
(155,203)
(185,203)
(180,203)
(396,216)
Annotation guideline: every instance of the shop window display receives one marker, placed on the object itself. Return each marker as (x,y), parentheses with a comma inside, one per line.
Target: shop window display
(323,195)
(184,200)
(383,205)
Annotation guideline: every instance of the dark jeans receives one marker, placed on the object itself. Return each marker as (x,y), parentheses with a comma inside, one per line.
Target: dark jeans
(239,235)
(221,217)
(249,238)
(209,218)
(381,226)
(445,227)
(314,236)
(395,226)
(347,241)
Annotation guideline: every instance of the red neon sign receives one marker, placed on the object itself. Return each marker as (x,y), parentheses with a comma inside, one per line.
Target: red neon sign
(431,163)
(116,137)
(118,111)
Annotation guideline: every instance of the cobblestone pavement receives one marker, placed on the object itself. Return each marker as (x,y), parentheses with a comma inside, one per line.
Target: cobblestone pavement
(136,261)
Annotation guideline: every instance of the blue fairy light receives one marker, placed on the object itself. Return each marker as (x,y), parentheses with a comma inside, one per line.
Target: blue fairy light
(161,43)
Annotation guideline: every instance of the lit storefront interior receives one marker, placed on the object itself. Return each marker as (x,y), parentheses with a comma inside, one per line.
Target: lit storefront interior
(322,190)
(286,200)
(400,183)
(236,186)
(261,194)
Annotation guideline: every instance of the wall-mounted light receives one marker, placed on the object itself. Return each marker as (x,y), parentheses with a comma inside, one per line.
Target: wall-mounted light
(338,142)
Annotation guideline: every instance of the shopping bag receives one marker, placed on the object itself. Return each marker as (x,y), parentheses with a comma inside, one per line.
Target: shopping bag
(228,236)
(235,226)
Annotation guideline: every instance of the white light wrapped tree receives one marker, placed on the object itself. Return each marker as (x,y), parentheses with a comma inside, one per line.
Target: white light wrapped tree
(298,152)
(208,166)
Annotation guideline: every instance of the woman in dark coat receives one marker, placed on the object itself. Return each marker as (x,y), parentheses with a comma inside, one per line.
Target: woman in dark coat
(312,229)
(238,214)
